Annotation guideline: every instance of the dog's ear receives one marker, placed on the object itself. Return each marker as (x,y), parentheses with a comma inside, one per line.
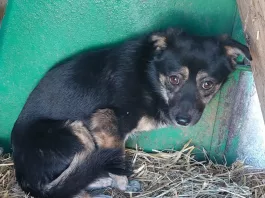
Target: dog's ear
(233,49)
(161,40)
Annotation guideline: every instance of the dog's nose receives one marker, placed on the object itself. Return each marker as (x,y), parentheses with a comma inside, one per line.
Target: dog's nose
(184,121)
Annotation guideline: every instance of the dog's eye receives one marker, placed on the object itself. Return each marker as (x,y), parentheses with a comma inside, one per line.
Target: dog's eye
(207,85)
(174,80)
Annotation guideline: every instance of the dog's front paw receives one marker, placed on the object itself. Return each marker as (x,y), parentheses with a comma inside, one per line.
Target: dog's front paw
(120,182)
(100,183)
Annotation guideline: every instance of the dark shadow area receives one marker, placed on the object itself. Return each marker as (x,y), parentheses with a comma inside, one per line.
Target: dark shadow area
(6,145)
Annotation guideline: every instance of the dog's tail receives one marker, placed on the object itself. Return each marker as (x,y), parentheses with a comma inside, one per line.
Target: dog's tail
(84,169)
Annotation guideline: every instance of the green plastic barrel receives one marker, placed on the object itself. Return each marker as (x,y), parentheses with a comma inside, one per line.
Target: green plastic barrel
(36,34)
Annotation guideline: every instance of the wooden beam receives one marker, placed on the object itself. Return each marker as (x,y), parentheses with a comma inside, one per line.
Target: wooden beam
(253,18)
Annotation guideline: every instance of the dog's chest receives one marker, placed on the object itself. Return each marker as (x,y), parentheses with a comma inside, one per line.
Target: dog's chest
(147,124)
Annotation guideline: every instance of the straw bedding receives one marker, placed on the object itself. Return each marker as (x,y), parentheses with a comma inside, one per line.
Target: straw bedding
(170,174)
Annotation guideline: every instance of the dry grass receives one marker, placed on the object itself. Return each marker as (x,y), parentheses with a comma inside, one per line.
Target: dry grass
(171,174)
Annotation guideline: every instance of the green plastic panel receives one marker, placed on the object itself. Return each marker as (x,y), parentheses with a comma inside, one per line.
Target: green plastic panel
(36,34)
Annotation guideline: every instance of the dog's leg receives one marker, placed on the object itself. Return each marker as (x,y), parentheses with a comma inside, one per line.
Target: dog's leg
(103,125)
(104,128)
(101,183)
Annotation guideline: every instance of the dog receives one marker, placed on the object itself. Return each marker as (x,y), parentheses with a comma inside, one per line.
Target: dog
(72,130)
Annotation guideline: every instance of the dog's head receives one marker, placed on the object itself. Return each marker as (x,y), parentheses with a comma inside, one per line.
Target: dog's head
(187,71)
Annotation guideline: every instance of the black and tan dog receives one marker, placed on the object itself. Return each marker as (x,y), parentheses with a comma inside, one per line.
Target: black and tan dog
(73,126)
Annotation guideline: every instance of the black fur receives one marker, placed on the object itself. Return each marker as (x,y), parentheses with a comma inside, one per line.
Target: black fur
(124,78)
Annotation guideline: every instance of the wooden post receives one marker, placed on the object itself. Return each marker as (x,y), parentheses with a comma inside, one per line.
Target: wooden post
(2,8)
(253,18)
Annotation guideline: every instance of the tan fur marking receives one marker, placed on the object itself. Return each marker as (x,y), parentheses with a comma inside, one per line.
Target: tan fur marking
(199,77)
(104,129)
(104,119)
(163,79)
(145,124)
(83,135)
(233,52)
(185,72)
(106,140)
(159,42)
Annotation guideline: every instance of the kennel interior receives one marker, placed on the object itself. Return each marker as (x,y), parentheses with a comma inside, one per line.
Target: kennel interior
(36,34)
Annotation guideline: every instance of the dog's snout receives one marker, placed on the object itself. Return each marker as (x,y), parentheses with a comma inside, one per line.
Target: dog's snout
(186,105)
(183,120)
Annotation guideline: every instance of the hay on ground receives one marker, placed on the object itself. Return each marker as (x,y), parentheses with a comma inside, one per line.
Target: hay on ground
(170,174)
